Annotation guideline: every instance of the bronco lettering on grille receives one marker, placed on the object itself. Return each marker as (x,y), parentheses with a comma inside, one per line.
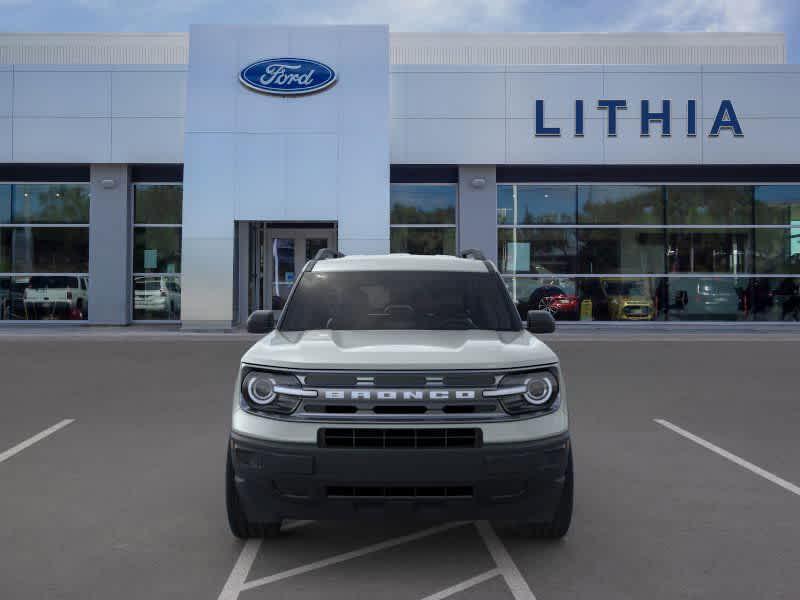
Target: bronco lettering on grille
(400,394)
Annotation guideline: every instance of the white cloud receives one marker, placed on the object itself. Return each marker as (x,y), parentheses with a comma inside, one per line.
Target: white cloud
(416,15)
(705,15)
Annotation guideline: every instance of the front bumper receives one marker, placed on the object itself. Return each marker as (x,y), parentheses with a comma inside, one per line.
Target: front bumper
(516,481)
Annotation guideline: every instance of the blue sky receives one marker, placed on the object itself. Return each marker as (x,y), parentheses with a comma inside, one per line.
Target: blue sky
(414,15)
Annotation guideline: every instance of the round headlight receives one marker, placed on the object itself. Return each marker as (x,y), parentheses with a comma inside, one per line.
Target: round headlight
(539,389)
(260,388)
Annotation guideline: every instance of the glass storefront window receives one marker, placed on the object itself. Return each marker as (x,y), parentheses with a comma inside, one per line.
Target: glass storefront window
(431,205)
(536,251)
(774,299)
(36,204)
(777,205)
(620,251)
(156,297)
(708,299)
(535,204)
(710,251)
(157,250)
(778,250)
(158,204)
(157,213)
(424,240)
(44,251)
(709,205)
(620,205)
(423,204)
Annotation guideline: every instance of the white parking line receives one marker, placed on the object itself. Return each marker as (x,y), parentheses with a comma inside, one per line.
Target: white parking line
(731,457)
(505,564)
(326,562)
(33,439)
(244,563)
(464,585)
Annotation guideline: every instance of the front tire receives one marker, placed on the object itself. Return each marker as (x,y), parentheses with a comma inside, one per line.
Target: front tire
(557,528)
(240,526)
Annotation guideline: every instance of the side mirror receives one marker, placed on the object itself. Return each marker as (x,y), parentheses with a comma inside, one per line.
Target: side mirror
(541,321)
(262,321)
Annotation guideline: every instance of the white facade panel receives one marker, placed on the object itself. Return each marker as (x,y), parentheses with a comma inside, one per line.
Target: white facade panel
(5,139)
(363,192)
(210,90)
(524,148)
(677,87)
(765,141)
(209,179)
(147,140)
(454,95)
(629,148)
(753,94)
(558,91)
(311,177)
(454,141)
(254,196)
(76,140)
(148,93)
(6,91)
(62,93)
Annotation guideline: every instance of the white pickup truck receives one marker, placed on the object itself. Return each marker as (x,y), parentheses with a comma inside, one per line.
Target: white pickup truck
(56,297)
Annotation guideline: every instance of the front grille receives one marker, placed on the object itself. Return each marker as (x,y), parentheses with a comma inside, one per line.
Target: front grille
(400,438)
(399,492)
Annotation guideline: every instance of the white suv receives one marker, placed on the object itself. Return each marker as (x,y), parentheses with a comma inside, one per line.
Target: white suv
(400,386)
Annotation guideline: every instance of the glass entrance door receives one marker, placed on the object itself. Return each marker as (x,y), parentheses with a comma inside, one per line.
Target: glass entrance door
(277,258)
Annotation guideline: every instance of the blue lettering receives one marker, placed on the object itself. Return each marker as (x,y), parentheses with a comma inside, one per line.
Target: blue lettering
(691,118)
(726,119)
(541,130)
(663,116)
(578,118)
(612,106)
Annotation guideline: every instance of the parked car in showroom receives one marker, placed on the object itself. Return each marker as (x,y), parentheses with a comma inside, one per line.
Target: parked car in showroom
(156,296)
(56,297)
(628,299)
(554,300)
(399,385)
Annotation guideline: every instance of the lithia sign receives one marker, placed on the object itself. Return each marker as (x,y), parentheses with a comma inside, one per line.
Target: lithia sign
(726,119)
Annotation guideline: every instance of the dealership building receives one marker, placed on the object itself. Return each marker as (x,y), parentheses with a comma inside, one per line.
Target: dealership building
(187,178)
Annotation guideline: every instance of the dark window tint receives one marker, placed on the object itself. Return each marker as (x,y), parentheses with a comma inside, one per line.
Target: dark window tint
(709,205)
(380,300)
(158,204)
(423,204)
(620,205)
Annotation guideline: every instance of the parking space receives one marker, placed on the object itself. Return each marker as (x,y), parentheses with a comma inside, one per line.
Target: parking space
(126,501)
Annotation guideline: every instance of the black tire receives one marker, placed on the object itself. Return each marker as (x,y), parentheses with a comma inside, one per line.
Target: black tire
(238,522)
(558,527)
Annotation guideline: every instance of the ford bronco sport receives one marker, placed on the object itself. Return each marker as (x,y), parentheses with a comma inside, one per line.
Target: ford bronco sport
(399,386)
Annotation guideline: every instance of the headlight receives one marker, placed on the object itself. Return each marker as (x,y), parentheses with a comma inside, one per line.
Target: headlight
(532,392)
(268,392)
(260,388)
(539,388)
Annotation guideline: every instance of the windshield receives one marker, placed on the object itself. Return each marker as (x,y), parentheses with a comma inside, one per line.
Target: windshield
(359,300)
(626,288)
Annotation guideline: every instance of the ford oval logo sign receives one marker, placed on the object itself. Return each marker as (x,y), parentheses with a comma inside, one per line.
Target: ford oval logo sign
(287,76)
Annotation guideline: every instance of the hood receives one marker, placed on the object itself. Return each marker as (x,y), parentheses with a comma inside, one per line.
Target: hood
(400,350)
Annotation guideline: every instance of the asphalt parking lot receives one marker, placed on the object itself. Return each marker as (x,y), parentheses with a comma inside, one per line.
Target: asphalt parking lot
(123,497)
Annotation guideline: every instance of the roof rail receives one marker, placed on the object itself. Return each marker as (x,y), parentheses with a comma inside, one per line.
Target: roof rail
(472,253)
(326,253)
